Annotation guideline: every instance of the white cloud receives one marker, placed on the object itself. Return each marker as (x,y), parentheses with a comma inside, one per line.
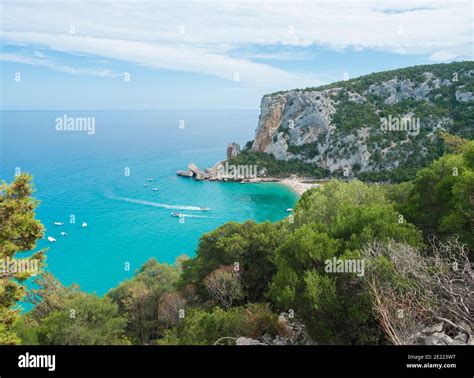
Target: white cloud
(148,33)
(18,58)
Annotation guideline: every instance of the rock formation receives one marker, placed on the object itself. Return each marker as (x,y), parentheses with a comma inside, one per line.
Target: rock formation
(233,149)
(338,127)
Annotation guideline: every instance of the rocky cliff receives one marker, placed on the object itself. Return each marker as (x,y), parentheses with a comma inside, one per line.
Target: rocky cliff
(378,123)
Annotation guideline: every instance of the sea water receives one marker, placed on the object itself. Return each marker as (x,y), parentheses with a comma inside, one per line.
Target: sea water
(99,178)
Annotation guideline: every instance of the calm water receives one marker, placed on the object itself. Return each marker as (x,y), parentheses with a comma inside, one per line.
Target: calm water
(83,175)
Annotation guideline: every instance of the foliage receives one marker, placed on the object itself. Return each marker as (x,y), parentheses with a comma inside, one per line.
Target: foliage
(19,232)
(249,244)
(411,289)
(279,168)
(335,221)
(441,201)
(396,156)
(64,315)
(224,286)
(139,298)
(83,319)
(201,327)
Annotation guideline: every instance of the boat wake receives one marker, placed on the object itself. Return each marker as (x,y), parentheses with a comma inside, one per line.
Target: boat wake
(161,205)
(193,216)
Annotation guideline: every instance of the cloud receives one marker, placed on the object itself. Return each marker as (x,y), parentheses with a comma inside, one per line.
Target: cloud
(171,57)
(206,36)
(18,58)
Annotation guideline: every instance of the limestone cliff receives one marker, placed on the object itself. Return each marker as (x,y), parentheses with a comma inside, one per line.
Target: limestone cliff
(375,123)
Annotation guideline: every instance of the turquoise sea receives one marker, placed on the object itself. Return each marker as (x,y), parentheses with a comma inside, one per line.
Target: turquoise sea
(85,176)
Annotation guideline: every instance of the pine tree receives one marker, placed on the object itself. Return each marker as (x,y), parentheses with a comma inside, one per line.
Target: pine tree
(19,232)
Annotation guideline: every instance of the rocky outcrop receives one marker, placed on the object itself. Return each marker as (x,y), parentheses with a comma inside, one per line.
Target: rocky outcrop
(193,171)
(291,333)
(233,149)
(464,96)
(223,171)
(338,127)
(185,173)
(444,334)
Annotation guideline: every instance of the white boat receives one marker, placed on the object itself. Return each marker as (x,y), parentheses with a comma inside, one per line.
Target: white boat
(204,209)
(150,179)
(145,185)
(289,210)
(59,223)
(51,239)
(155,189)
(63,234)
(84,225)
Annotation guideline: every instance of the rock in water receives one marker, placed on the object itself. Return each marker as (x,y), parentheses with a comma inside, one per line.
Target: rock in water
(198,174)
(194,169)
(185,173)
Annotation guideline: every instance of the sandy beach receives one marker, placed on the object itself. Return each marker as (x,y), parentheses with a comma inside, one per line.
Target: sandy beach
(298,184)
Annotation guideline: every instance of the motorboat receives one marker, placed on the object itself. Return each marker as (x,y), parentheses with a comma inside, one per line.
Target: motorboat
(84,225)
(178,215)
(51,239)
(58,223)
(63,234)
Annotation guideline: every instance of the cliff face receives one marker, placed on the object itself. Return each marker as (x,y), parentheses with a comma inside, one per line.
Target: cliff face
(370,124)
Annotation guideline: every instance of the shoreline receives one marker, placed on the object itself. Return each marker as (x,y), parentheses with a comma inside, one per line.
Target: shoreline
(216,173)
(297,184)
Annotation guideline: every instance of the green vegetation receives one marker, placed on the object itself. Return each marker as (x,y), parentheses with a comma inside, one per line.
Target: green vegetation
(201,327)
(351,115)
(66,316)
(307,151)
(138,299)
(441,201)
(244,275)
(336,221)
(395,156)
(250,245)
(19,231)
(278,168)
(443,71)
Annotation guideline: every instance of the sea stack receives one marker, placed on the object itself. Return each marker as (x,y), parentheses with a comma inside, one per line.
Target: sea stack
(233,149)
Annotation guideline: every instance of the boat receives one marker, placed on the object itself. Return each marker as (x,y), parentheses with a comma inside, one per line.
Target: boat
(51,239)
(289,210)
(59,223)
(145,185)
(63,234)
(204,209)
(178,215)
(84,225)
(150,179)
(155,189)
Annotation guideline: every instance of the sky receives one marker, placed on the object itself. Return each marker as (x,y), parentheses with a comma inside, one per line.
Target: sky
(181,54)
